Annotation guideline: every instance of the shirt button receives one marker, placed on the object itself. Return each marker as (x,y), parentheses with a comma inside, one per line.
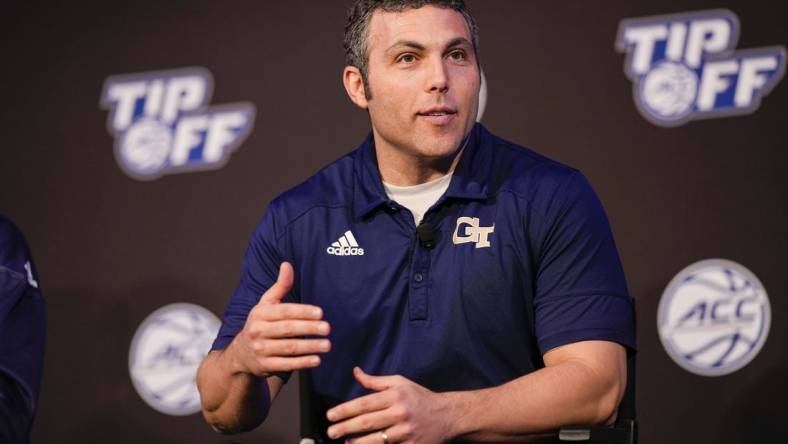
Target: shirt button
(418,277)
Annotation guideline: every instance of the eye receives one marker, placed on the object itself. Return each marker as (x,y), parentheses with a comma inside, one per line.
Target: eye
(406,58)
(458,55)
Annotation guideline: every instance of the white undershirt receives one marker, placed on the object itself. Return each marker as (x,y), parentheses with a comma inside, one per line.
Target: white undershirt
(418,198)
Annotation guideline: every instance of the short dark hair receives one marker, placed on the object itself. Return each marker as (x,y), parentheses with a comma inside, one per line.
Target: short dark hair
(360,13)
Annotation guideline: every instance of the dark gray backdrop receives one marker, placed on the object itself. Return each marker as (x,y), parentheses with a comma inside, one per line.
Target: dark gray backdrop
(110,249)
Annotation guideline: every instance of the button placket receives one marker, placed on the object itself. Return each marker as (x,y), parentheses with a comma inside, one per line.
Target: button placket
(419,283)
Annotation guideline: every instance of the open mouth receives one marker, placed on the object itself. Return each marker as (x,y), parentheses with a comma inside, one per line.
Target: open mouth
(438,116)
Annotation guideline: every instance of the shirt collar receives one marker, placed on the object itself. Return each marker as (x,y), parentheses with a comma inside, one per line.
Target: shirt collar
(469,181)
(368,193)
(472,174)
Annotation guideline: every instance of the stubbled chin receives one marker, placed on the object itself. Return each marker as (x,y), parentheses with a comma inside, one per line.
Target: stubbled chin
(436,146)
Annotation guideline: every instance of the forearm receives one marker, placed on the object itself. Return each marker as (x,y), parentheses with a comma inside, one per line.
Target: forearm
(569,393)
(232,401)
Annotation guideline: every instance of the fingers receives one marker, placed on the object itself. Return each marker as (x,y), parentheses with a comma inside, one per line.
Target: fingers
(280,364)
(358,406)
(283,311)
(376,383)
(398,433)
(283,284)
(368,422)
(278,346)
(281,336)
(390,408)
(287,329)
(296,347)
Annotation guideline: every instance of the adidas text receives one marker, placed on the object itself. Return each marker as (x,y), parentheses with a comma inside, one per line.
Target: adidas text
(345,251)
(347,245)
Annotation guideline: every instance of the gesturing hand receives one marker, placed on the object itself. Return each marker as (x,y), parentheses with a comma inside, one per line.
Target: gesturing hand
(405,411)
(272,338)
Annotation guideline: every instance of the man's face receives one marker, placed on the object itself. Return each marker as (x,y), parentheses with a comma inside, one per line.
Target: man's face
(424,80)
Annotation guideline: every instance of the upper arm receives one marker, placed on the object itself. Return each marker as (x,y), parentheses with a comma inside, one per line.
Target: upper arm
(604,356)
(580,291)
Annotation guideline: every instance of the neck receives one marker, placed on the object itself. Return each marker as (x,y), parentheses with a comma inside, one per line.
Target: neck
(403,169)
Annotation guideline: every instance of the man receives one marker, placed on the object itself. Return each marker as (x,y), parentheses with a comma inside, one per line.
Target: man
(440,283)
(22,334)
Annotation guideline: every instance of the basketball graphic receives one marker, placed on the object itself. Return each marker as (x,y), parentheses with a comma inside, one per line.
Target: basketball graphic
(146,146)
(669,90)
(714,317)
(165,353)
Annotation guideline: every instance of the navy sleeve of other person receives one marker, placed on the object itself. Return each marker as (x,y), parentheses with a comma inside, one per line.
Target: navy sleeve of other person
(22,329)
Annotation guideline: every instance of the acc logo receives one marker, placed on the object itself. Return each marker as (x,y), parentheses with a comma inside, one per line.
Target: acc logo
(165,353)
(714,317)
(684,68)
(162,125)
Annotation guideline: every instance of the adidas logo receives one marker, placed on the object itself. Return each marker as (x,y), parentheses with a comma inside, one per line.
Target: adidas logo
(345,246)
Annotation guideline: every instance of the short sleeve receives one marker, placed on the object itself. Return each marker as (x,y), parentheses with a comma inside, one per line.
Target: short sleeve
(258,273)
(581,292)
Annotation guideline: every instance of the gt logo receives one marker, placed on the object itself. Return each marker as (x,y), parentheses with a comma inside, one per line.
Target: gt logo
(472,232)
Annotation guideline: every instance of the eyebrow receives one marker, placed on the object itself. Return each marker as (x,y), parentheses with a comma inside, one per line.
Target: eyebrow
(457,41)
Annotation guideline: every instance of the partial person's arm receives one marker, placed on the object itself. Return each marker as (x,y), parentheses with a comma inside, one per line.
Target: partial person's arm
(15,415)
(582,383)
(22,336)
(236,386)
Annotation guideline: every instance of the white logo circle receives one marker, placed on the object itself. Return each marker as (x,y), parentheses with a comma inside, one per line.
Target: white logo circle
(669,90)
(714,317)
(165,353)
(482,98)
(146,146)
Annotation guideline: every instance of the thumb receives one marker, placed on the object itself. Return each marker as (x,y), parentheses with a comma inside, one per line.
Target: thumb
(283,284)
(376,383)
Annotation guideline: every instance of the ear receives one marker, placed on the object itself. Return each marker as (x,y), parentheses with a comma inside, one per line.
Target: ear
(354,85)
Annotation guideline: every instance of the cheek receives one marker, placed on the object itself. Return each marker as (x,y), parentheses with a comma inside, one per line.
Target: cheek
(391,101)
(469,87)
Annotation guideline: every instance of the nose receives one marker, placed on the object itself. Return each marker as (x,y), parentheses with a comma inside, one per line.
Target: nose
(438,76)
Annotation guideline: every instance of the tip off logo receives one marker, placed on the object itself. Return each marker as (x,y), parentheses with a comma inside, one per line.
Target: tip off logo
(165,353)
(684,67)
(162,124)
(714,317)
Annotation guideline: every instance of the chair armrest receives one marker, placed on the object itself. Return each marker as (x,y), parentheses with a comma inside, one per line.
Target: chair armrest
(624,432)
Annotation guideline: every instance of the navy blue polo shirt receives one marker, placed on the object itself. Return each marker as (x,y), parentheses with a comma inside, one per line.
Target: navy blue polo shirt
(523,261)
(22,335)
